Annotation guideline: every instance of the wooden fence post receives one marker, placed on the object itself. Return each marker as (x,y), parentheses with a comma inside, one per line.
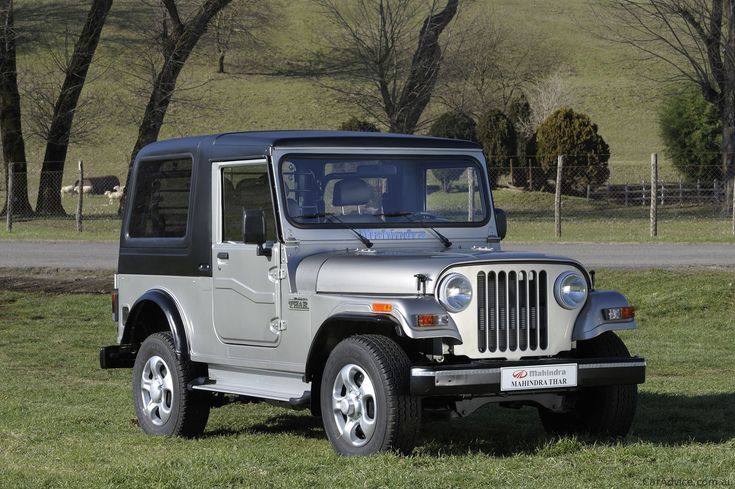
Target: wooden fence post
(557,198)
(9,197)
(530,175)
(80,200)
(654,200)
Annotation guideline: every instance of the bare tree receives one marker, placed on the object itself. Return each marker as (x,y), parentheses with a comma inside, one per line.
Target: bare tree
(178,38)
(55,123)
(236,27)
(544,98)
(11,132)
(696,39)
(489,67)
(65,108)
(386,55)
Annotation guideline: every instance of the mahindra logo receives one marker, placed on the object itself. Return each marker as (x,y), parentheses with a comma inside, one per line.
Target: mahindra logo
(520,374)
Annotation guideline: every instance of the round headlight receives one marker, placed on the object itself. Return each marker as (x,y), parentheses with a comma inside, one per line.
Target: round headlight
(570,290)
(455,292)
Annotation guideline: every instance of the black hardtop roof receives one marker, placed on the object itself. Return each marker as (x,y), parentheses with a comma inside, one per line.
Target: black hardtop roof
(257,143)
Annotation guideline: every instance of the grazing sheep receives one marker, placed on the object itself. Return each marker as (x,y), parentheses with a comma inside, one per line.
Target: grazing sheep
(68,189)
(113,196)
(87,189)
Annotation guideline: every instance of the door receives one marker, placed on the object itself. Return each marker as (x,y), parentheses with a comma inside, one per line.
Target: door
(245,285)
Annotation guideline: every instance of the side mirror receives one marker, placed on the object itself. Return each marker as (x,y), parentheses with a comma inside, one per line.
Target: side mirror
(254,229)
(501,223)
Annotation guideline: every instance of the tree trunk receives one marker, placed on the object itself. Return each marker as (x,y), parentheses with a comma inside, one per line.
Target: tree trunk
(11,133)
(177,46)
(49,189)
(424,71)
(727,108)
(221,62)
(183,41)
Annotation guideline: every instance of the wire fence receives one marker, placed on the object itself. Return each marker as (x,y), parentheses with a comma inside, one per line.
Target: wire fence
(59,195)
(590,198)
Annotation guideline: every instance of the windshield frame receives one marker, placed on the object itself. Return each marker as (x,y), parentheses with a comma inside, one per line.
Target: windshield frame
(485,198)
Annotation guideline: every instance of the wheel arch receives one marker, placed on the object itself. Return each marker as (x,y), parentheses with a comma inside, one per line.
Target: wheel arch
(336,328)
(154,312)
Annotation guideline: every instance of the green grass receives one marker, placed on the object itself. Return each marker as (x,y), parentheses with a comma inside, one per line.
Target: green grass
(63,229)
(65,423)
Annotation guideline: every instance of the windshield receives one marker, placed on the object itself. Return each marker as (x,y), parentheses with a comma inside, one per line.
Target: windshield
(371,192)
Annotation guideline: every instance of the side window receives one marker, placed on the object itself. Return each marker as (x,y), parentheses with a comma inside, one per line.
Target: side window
(161,201)
(245,187)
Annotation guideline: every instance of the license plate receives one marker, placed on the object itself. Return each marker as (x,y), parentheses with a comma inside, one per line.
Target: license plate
(538,377)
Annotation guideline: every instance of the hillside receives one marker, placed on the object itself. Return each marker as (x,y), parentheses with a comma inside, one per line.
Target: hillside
(620,100)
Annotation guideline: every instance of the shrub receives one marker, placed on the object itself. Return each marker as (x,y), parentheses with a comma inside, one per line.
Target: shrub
(692,133)
(360,125)
(574,135)
(453,125)
(497,135)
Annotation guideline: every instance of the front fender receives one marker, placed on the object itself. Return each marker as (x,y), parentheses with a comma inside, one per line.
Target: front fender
(404,313)
(590,323)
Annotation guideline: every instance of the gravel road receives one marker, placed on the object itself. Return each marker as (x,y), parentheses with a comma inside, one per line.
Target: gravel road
(102,255)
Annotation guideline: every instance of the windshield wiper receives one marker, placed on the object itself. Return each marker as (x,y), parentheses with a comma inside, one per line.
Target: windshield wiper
(407,214)
(329,215)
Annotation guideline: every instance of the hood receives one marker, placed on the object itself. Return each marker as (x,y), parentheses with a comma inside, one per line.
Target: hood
(391,271)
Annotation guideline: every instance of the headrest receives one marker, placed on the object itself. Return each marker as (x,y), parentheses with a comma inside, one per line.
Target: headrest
(351,191)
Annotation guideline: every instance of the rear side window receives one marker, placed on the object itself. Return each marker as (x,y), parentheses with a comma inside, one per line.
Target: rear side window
(161,199)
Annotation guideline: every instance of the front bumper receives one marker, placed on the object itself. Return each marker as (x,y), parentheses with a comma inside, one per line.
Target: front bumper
(483,378)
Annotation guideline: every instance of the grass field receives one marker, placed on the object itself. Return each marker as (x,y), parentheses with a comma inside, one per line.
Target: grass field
(65,423)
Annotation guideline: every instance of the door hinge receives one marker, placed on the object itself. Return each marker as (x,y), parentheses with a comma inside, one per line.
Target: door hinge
(277,274)
(278,325)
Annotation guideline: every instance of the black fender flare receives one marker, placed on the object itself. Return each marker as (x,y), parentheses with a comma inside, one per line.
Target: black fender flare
(342,326)
(167,305)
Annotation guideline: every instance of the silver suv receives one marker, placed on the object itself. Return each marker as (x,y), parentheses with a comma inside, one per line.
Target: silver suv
(357,275)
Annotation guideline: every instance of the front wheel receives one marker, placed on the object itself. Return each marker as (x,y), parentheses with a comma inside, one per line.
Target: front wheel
(163,403)
(365,400)
(605,411)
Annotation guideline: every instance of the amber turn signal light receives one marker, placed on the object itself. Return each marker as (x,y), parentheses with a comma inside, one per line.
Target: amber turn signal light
(381,307)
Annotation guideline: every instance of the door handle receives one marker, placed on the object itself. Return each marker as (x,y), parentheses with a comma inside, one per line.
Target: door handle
(223,255)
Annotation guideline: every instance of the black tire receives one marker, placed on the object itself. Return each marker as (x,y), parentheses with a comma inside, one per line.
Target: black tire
(395,415)
(176,411)
(599,411)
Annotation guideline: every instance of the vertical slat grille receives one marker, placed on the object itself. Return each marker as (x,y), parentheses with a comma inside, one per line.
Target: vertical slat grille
(522,311)
(543,313)
(512,311)
(481,313)
(502,312)
(492,296)
(513,308)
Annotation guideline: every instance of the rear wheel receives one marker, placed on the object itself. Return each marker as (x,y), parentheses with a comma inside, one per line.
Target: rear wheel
(365,400)
(605,411)
(163,403)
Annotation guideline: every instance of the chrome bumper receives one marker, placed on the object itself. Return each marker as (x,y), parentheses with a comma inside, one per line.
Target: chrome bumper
(483,378)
